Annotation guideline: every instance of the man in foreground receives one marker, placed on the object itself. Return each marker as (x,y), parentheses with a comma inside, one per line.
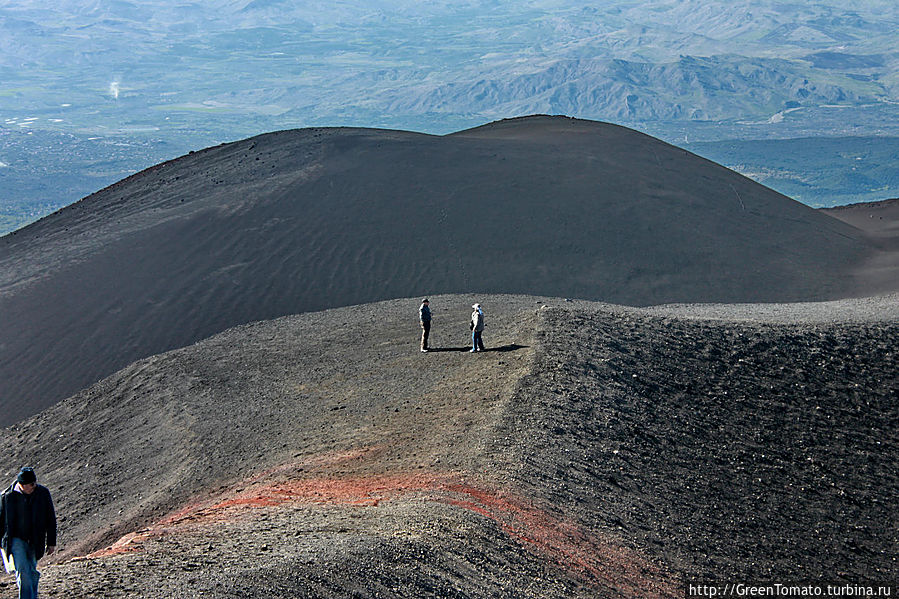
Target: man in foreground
(27,526)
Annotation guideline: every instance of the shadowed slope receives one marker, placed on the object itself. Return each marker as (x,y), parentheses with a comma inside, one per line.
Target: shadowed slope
(610,452)
(304,220)
(729,449)
(880,222)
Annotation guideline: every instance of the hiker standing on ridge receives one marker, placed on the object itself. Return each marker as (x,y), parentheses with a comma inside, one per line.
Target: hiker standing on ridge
(27,526)
(424,315)
(477,327)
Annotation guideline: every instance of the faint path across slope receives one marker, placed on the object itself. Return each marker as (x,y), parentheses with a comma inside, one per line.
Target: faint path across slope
(317,419)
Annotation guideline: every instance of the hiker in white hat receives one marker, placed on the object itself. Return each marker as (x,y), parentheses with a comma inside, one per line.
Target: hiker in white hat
(477,327)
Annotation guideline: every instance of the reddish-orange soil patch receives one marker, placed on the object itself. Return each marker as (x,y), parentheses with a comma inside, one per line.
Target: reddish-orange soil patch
(567,544)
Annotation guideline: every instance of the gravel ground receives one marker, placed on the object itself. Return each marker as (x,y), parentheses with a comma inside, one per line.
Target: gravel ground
(596,451)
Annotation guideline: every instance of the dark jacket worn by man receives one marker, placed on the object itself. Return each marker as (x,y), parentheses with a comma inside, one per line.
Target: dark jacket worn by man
(28,517)
(424,315)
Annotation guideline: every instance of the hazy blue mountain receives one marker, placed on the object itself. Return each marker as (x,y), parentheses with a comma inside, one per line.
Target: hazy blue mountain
(176,76)
(692,88)
(817,171)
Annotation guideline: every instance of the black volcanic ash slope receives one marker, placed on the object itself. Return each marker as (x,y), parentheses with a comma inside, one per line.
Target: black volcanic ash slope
(304,220)
(733,450)
(599,452)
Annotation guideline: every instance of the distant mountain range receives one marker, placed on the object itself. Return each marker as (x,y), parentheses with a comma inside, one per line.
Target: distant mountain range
(179,77)
(694,59)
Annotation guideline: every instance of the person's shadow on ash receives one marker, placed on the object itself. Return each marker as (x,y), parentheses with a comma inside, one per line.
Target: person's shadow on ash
(502,348)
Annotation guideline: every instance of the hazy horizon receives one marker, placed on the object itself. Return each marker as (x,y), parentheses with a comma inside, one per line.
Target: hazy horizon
(91,92)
